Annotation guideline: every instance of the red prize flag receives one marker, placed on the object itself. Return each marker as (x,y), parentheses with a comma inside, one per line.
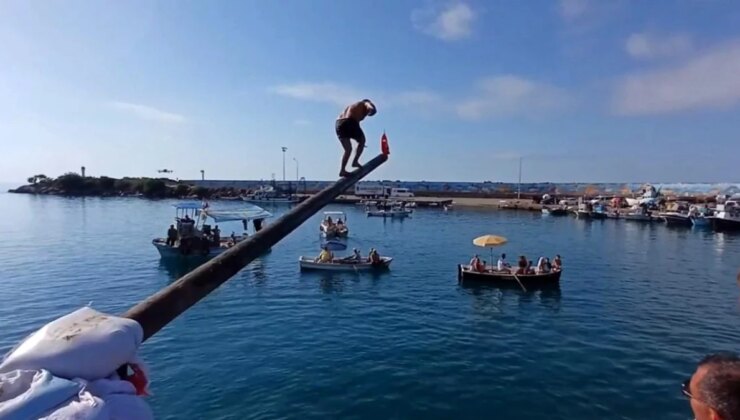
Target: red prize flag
(384,145)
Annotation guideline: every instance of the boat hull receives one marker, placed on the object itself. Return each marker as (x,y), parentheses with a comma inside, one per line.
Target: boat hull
(555,212)
(309,264)
(174,252)
(530,281)
(676,220)
(723,224)
(393,214)
(638,218)
(701,222)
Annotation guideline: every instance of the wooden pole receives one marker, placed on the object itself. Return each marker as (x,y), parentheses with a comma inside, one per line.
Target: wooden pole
(164,306)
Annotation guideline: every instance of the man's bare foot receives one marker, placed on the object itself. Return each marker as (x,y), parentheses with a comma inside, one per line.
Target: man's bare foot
(343,173)
(356,165)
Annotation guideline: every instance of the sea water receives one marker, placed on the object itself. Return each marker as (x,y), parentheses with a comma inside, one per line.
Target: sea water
(638,305)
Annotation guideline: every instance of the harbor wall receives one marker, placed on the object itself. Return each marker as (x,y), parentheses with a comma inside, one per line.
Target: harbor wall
(496,188)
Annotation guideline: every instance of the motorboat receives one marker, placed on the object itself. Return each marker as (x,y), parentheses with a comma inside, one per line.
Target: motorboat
(554,211)
(397,213)
(269,195)
(507,278)
(638,213)
(197,239)
(727,216)
(674,218)
(334,225)
(650,196)
(349,265)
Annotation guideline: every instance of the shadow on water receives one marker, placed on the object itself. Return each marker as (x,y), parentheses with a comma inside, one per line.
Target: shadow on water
(334,283)
(488,298)
(176,267)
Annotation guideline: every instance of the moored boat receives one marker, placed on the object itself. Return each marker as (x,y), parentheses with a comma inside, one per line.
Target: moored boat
(554,211)
(196,239)
(269,195)
(529,281)
(674,218)
(308,263)
(727,216)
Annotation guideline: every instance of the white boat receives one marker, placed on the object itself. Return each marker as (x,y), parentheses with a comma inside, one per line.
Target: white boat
(727,216)
(196,239)
(268,195)
(649,197)
(398,213)
(308,263)
(334,225)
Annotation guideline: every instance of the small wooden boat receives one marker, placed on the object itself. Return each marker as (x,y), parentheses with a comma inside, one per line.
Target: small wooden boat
(529,281)
(308,263)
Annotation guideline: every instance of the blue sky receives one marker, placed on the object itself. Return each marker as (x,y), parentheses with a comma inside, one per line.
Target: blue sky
(583,90)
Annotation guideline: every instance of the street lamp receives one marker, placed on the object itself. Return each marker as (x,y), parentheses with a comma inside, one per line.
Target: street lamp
(297,178)
(285,149)
(202,175)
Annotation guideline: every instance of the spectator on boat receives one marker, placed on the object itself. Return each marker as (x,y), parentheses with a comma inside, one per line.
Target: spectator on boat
(216,235)
(482,266)
(714,388)
(474,262)
(557,264)
(329,221)
(530,270)
(325,256)
(171,236)
(548,265)
(373,257)
(257,225)
(502,265)
(540,265)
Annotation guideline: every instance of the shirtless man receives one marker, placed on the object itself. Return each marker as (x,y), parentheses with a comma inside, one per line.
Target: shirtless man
(348,127)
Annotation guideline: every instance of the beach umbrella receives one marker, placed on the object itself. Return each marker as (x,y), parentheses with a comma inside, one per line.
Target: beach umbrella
(489,241)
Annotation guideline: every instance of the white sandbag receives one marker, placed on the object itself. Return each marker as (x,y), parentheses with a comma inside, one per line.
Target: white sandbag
(85,344)
(28,394)
(83,407)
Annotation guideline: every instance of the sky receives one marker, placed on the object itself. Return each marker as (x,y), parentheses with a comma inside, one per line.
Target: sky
(580,90)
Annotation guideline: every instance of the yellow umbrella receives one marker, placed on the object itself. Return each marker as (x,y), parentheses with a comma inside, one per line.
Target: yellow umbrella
(489,241)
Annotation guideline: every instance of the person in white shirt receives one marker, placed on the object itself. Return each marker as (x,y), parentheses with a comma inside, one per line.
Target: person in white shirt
(502,265)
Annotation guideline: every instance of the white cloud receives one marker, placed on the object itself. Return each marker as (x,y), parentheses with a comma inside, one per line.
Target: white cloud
(326,92)
(708,80)
(149,113)
(648,46)
(452,22)
(510,95)
(573,9)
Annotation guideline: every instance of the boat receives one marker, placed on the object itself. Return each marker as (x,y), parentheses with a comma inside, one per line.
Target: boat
(334,225)
(269,195)
(529,281)
(674,218)
(700,216)
(308,263)
(727,216)
(397,213)
(650,196)
(638,214)
(554,211)
(196,239)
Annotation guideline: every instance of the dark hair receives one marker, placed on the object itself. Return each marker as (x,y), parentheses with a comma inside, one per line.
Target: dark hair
(720,387)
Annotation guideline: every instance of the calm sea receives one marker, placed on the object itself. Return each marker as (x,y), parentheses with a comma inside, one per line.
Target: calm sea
(638,306)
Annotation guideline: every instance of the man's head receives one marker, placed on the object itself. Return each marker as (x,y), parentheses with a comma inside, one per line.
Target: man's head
(371,109)
(503,256)
(714,389)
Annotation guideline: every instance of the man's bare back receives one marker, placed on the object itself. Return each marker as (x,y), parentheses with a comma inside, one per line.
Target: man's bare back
(358,111)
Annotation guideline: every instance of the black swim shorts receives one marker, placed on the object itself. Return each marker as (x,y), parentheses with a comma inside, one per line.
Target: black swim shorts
(349,128)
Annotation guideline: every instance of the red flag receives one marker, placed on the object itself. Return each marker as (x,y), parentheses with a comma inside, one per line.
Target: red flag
(384,145)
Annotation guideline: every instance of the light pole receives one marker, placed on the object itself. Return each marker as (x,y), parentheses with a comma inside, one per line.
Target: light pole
(285,149)
(297,178)
(202,175)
